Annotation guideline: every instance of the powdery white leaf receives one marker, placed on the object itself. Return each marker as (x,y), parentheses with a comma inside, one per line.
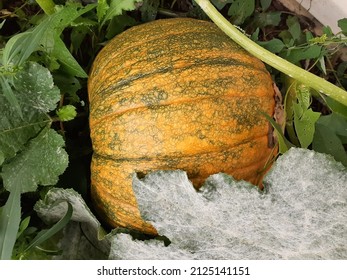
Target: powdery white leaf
(36,95)
(43,160)
(35,86)
(81,237)
(302,214)
(50,210)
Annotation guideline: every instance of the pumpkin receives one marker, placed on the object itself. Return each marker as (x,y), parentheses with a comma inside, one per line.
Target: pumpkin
(174,94)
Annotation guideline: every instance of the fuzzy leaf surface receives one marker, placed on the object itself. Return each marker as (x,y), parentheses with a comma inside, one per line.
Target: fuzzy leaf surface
(83,236)
(34,89)
(43,160)
(302,215)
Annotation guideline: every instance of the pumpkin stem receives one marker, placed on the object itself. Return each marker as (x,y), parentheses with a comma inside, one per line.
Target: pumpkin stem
(293,71)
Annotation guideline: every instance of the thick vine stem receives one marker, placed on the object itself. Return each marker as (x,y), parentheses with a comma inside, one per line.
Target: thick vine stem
(293,71)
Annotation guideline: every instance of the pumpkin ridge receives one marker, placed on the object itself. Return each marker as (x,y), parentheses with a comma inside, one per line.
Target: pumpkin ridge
(224,94)
(120,112)
(180,156)
(227,63)
(172,35)
(126,82)
(149,159)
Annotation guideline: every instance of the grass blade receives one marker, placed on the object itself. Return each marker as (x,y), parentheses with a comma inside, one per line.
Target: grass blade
(48,233)
(284,144)
(9,224)
(9,94)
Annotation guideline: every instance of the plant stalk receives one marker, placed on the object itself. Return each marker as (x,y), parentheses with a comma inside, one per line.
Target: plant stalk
(293,71)
(47,6)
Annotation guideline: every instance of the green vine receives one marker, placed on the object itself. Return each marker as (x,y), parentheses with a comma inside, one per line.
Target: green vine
(310,80)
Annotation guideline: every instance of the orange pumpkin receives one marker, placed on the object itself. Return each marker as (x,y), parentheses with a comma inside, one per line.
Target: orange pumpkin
(174,94)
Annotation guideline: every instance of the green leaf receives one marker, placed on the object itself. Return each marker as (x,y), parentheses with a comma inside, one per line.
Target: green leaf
(9,224)
(335,122)
(309,36)
(45,234)
(267,19)
(81,28)
(286,38)
(310,52)
(101,9)
(336,107)
(284,144)
(240,10)
(328,31)
(118,24)
(303,95)
(36,94)
(18,49)
(68,62)
(117,7)
(35,86)
(341,69)
(43,160)
(66,15)
(23,226)
(294,28)
(149,9)
(274,45)
(220,4)
(265,4)
(43,36)
(67,113)
(46,5)
(342,23)
(255,35)
(304,122)
(300,119)
(326,141)
(68,85)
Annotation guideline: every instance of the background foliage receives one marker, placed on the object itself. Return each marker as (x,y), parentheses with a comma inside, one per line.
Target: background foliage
(47,49)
